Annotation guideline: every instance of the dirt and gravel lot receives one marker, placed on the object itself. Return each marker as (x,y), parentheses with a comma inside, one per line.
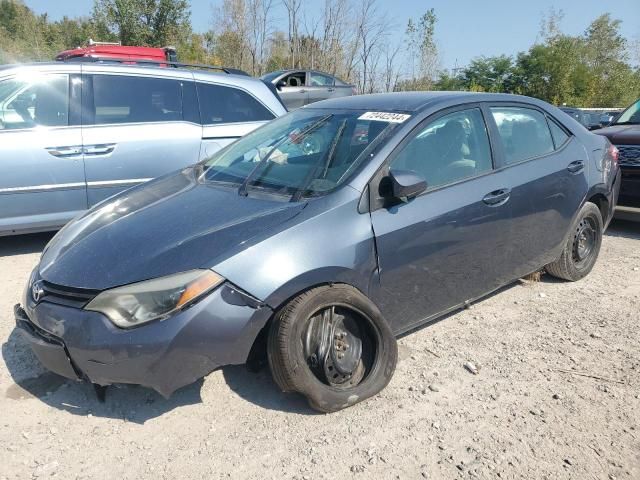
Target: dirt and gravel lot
(557,395)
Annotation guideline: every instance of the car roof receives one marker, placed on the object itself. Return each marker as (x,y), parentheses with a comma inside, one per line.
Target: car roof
(413,101)
(219,77)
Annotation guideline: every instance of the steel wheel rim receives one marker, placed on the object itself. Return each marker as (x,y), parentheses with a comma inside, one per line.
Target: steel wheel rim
(584,241)
(340,346)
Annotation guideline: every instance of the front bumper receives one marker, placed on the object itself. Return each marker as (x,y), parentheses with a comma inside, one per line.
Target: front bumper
(164,355)
(630,190)
(613,198)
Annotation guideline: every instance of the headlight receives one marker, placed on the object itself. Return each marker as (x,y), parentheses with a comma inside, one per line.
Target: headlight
(142,302)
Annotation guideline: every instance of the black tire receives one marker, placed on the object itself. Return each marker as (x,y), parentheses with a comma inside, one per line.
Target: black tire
(576,261)
(303,318)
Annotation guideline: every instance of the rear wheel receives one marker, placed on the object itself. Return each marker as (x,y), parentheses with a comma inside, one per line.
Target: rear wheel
(582,247)
(332,345)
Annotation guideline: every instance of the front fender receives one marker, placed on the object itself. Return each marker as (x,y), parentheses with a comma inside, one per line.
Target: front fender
(315,278)
(334,245)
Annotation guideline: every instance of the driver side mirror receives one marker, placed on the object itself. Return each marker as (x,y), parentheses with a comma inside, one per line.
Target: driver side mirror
(281,84)
(406,183)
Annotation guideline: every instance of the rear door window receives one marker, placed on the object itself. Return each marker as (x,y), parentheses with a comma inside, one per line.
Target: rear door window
(320,80)
(42,100)
(220,104)
(523,132)
(128,99)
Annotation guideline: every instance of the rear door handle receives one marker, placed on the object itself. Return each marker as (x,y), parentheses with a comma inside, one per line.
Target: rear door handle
(102,149)
(302,91)
(68,151)
(497,197)
(576,167)
(331,90)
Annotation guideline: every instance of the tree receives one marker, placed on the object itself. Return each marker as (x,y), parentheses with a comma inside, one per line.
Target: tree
(490,74)
(293,24)
(371,33)
(145,22)
(421,45)
(606,56)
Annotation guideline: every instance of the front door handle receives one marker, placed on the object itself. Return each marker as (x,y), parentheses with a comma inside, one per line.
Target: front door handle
(576,167)
(331,89)
(62,152)
(497,197)
(302,91)
(102,149)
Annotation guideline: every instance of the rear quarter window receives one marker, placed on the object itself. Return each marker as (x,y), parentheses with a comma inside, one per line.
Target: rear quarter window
(220,104)
(558,133)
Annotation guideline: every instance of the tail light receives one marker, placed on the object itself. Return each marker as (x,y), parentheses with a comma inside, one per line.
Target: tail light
(615,154)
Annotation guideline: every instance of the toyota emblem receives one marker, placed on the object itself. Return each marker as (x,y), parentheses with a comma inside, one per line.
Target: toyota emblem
(37,291)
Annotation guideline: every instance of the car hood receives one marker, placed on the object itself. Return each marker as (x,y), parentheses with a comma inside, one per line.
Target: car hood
(169,225)
(621,134)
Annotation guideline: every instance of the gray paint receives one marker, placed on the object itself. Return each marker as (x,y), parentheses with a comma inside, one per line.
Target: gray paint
(415,260)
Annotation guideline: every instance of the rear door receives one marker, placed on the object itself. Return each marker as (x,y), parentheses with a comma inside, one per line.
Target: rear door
(547,171)
(135,128)
(42,183)
(227,113)
(321,87)
(448,245)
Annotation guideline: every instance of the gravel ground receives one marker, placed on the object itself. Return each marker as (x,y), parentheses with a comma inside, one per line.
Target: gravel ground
(556,395)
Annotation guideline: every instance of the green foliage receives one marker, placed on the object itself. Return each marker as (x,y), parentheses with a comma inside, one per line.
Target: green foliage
(25,36)
(592,69)
(145,22)
(589,70)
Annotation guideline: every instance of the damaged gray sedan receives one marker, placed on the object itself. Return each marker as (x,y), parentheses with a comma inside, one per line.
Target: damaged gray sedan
(313,242)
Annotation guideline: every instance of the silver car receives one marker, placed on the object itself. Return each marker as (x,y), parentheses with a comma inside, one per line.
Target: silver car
(73,134)
(298,88)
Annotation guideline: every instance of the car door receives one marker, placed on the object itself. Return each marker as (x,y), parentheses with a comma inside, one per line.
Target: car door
(547,169)
(42,181)
(228,113)
(320,87)
(293,91)
(449,244)
(136,127)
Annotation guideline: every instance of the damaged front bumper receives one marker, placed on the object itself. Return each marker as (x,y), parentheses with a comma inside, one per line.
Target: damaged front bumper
(164,355)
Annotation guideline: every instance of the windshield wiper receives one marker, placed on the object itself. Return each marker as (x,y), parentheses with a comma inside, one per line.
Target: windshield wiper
(326,164)
(625,123)
(242,190)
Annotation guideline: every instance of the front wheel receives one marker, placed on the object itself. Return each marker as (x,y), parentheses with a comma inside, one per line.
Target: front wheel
(582,247)
(332,345)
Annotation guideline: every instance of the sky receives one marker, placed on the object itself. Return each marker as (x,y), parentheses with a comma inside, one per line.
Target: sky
(465,28)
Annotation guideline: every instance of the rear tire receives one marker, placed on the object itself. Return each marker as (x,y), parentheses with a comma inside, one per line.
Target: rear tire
(582,246)
(332,345)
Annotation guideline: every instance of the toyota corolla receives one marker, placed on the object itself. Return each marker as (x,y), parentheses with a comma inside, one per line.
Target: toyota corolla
(318,239)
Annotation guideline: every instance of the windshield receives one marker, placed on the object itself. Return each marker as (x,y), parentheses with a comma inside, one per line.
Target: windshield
(631,116)
(308,152)
(270,76)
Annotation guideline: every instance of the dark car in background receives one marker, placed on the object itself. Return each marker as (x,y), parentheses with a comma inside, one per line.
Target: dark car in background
(320,238)
(588,120)
(298,88)
(624,133)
